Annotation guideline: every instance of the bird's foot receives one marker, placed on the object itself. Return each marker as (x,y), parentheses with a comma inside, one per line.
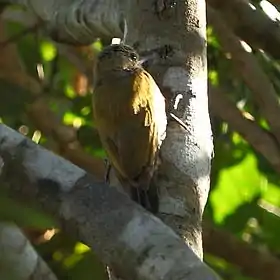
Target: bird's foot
(107,172)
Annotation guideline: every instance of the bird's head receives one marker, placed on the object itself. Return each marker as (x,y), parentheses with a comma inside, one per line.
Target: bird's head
(117,57)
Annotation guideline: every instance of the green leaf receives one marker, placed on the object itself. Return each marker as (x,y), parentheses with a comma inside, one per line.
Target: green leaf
(48,50)
(23,215)
(236,185)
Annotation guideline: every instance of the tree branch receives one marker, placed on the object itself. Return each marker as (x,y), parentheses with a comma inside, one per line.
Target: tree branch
(132,241)
(247,66)
(252,262)
(261,141)
(251,24)
(76,22)
(18,258)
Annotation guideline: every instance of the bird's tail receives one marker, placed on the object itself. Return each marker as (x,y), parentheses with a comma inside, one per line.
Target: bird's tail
(144,191)
(147,197)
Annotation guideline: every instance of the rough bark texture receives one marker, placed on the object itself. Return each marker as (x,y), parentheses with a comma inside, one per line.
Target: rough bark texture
(133,242)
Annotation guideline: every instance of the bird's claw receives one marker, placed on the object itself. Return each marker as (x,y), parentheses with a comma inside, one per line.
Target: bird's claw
(107,173)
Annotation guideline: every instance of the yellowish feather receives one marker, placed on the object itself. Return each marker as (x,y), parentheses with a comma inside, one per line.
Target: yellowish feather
(126,118)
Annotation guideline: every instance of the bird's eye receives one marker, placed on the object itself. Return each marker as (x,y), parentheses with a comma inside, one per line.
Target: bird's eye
(133,56)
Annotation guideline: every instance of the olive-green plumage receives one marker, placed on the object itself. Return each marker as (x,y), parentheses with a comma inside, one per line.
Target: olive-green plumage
(129,112)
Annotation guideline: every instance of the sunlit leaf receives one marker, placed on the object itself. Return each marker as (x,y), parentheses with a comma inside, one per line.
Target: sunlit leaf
(236,185)
(72,119)
(211,38)
(48,50)
(69,91)
(97,45)
(213,77)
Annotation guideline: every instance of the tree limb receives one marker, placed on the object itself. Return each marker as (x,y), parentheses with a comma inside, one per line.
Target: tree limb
(251,261)
(132,241)
(261,141)
(247,66)
(76,22)
(251,24)
(18,258)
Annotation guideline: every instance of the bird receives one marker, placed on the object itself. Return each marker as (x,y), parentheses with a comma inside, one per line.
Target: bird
(130,116)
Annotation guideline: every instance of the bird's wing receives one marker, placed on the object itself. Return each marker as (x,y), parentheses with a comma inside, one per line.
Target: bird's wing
(130,128)
(139,135)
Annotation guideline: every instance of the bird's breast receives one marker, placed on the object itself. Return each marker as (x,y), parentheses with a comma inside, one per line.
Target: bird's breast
(114,101)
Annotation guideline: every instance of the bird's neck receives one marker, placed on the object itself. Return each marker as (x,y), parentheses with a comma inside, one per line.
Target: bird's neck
(115,73)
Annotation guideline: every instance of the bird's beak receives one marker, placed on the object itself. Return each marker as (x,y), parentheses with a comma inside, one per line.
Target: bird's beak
(144,59)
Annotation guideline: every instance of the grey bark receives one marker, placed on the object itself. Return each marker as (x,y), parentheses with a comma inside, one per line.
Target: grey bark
(133,242)
(18,259)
